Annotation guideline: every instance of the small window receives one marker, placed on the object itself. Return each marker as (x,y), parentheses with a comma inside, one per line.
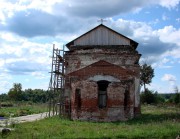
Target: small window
(78,98)
(102,93)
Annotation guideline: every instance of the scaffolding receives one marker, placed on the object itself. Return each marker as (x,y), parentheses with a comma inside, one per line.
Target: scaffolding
(57,101)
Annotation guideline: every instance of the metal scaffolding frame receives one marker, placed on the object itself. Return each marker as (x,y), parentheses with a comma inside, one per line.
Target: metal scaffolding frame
(57,102)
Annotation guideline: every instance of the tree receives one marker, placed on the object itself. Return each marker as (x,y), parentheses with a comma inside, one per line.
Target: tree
(146,75)
(15,92)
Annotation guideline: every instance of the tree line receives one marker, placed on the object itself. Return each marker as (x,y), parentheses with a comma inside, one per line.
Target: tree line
(153,97)
(17,94)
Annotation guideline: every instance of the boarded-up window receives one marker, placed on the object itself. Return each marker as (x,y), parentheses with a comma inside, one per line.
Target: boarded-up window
(78,98)
(102,93)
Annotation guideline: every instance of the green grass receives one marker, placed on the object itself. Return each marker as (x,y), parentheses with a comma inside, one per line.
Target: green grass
(155,122)
(22,109)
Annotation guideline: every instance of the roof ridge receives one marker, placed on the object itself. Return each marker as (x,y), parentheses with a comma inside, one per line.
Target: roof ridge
(72,42)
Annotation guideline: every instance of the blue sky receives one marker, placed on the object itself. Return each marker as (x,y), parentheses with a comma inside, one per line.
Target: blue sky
(29,28)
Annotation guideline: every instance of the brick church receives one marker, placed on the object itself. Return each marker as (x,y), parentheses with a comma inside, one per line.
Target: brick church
(103,76)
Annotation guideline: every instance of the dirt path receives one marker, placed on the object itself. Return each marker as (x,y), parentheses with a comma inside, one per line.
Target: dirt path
(28,118)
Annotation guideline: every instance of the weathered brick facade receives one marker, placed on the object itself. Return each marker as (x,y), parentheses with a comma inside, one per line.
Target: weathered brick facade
(102,76)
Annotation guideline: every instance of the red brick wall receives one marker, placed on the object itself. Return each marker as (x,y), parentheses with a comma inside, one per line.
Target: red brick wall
(89,103)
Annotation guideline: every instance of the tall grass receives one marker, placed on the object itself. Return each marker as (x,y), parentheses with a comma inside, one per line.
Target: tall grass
(22,109)
(155,122)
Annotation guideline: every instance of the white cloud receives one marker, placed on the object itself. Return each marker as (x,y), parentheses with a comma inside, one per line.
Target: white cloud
(5,81)
(163,63)
(2,61)
(169,3)
(170,85)
(169,78)
(24,56)
(169,34)
(164,17)
(8,37)
(165,60)
(173,53)
(5,76)
(44,5)
(165,88)
(155,87)
(39,75)
(154,22)
(4,85)
(9,7)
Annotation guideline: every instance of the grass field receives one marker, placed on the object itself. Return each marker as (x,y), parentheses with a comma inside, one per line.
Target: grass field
(155,122)
(22,109)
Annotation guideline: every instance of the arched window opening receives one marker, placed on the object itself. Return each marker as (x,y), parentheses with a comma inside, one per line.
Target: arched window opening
(102,93)
(78,98)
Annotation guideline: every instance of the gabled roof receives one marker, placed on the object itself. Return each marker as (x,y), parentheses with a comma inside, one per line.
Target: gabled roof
(99,68)
(132,42)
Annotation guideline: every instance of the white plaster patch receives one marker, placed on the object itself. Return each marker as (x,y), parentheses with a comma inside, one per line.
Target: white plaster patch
(136,92)
(104,77)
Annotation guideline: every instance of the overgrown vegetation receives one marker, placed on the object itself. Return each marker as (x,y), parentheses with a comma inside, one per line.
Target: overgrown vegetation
(155,122)
(22,109)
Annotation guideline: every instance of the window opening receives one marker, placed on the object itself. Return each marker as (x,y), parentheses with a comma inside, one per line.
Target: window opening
(102,93)
(78,98)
